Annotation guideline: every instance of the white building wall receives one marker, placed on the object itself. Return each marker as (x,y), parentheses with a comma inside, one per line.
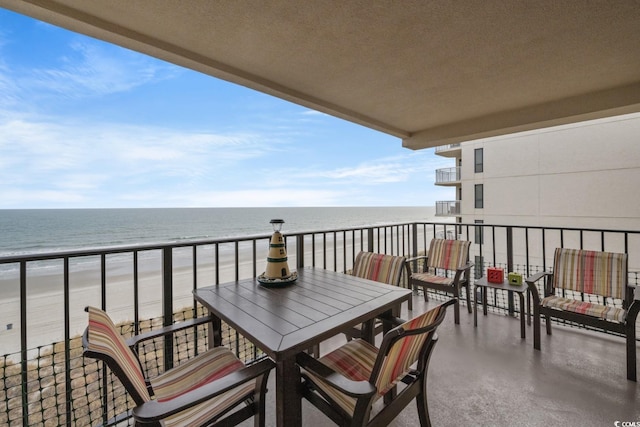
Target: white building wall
(584,175)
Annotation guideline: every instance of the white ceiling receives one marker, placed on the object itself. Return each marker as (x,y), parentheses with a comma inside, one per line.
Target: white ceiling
(429,72)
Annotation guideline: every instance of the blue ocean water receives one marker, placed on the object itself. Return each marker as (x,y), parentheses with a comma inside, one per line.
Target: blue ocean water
(44,230)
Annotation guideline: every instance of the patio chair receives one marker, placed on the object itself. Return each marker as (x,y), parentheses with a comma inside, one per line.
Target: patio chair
(346,383)
(581,289)
(445,258)
(213,388)
(380,268)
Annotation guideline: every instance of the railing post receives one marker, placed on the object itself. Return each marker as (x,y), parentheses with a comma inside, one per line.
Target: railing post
(167,303)
(103,306)
(23,343)
(414,237)
(510,268)
(300,251)
(370,240)
(67,341)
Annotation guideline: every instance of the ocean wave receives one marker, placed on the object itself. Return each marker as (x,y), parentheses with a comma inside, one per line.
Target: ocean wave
(39,231)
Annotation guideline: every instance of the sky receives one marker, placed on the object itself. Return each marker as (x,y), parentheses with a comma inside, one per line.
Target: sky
(87,124)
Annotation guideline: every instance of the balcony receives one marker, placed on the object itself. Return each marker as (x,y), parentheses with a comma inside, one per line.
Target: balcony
(483,376)
(489,376)
(448,176)
(448,208)
(449,150)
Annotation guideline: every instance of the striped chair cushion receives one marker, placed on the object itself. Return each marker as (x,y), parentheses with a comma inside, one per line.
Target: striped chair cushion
(591,272)
(404,352)
(448,254)
(355,361)
(431,278)
(379,267)
(104,338)
(605,312)
(196,372)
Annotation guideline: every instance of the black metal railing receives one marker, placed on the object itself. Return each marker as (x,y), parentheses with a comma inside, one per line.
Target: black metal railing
(45,380)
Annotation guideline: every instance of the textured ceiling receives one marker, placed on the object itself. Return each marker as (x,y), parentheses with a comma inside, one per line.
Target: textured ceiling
(429,72)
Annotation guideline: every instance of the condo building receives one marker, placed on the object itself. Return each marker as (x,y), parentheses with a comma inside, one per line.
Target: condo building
(582,175)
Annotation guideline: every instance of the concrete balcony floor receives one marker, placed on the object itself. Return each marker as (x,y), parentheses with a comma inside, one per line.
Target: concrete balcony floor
(489,376)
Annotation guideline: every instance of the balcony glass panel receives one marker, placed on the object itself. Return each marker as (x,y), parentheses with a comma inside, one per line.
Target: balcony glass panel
(448,175)
(448,208)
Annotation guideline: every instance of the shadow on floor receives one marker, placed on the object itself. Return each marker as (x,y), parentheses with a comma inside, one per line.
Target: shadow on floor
(489,376)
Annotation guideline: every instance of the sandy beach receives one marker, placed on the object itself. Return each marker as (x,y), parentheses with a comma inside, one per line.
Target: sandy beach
(45,297)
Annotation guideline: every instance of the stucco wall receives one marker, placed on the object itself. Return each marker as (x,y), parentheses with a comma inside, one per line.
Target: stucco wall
(580,175)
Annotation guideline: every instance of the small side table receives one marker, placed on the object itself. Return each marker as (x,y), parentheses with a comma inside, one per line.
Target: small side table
(505,286)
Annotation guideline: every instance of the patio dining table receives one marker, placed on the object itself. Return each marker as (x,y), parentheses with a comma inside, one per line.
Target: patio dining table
(285,320)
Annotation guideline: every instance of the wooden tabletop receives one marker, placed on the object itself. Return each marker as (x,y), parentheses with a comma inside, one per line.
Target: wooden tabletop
(283,321)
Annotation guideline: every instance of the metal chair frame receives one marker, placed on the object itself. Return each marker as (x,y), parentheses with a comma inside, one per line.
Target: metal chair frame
(365,391)
(152,412)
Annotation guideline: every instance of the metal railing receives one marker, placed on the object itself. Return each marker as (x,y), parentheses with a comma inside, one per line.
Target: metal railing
(43,373)
(448,208)
(448,175)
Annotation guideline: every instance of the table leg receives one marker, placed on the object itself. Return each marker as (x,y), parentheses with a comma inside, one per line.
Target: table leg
(528,307)
(485,291)
(475,305)
(522,316)
(368,333)
(215,332)
(288,402)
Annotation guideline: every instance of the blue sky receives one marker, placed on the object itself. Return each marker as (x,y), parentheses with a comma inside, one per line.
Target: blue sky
(87,124)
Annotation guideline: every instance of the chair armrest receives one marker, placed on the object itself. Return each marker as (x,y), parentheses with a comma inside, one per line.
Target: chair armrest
(531,284)
(465,267)
(154,410)
(536,277)
(335,379)
(145,336)
(632,313)
(460,271)
(408,261)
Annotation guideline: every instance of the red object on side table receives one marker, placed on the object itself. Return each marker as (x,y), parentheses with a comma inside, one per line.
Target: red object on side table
(495,275)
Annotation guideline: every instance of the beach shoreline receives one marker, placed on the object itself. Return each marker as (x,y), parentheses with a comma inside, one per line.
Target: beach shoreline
(45,298)
(45,292)
(216,262)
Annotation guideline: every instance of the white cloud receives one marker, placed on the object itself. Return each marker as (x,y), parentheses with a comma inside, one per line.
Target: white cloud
(282,196)
(92,69)
(275,155)
(41,198)
(376,171)
(80,182)
(71,144)
(70,162)
(371,173)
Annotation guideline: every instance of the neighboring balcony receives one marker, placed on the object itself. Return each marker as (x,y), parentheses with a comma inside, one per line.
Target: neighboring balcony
(448,208)
(449,150)
(448,176)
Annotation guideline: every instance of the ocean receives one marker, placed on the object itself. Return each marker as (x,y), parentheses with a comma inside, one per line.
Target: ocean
(25,232)
(33,231)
